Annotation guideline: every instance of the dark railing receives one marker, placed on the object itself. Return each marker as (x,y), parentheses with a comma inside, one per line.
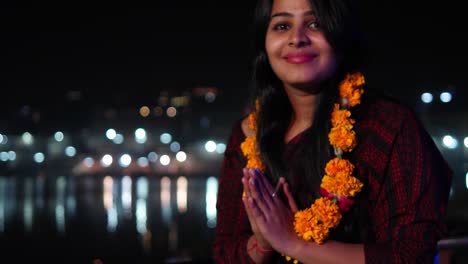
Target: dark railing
(452,251)
(452,243)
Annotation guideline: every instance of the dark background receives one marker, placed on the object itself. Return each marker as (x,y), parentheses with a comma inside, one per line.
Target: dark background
(137,52)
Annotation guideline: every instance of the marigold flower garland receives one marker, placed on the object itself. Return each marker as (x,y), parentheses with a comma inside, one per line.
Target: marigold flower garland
(338,184)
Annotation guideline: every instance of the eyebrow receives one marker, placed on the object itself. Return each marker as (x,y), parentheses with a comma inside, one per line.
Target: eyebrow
(286,14)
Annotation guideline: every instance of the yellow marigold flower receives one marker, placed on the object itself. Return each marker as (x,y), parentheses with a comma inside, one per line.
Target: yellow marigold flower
(342,138)
(338,165)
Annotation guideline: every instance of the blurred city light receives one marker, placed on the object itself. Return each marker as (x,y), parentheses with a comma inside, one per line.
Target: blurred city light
(140,136)
(106,160)
(210,199)
(210,146)
(445,97)
(125,160)
(165,160)
(181,156)
(111,133)
(39,157)
(450,142)
(59,136)
(427,98)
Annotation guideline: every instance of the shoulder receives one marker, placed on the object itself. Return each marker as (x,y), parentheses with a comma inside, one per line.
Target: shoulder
(381,123)
(245,127)
(239,131)
(385,114)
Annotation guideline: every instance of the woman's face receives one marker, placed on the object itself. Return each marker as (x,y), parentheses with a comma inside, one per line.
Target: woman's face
(296,47)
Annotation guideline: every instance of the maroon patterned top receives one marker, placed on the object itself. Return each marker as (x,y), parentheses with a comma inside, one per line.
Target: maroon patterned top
(405,196)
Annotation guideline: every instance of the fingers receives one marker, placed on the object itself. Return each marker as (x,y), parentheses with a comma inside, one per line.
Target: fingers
(251,206)
(254,213)
(289,196)
(281,181)
(264,183)
(261,191)
(245,183)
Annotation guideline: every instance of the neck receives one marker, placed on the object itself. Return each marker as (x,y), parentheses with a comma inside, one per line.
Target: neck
(304,106)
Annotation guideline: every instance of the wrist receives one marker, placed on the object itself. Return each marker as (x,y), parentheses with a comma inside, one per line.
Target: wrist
(294,247)
(258,247)
(262,243)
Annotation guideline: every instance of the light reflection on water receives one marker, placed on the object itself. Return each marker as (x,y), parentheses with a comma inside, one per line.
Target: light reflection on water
(157,219)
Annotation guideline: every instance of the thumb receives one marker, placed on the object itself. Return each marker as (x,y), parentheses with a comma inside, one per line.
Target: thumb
(289,196)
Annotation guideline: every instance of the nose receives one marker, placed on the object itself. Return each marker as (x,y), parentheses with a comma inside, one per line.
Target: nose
(298,37)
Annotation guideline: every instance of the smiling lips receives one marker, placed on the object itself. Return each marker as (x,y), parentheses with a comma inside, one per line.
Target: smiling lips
(299,57)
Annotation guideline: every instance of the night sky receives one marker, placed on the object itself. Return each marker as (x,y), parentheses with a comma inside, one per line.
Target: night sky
(134,53)
(131,52)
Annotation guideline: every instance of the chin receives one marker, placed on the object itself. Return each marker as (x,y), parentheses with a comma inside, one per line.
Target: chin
(307,86)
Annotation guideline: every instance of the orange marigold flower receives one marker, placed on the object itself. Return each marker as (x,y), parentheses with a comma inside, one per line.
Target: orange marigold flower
(338,165)
(340,117)
(341,185)
(302,221)
(342,138)
(255,163)
(250,151)
(252,120)
(315,222)
(351,88)
(352,187)
(330,184)
(327,212)
(320,233)
(249,146)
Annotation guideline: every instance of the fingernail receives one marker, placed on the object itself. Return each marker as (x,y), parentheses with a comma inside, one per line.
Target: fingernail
(257,172)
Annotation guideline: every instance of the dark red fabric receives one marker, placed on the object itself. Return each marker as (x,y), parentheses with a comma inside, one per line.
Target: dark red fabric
(407,182)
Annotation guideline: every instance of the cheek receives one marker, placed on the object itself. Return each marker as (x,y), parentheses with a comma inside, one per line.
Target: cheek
(272,48)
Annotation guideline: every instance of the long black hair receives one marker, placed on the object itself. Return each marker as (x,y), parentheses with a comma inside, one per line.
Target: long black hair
(340,23)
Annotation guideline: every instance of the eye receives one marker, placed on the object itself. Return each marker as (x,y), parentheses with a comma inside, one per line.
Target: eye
(314,25)
(281,27)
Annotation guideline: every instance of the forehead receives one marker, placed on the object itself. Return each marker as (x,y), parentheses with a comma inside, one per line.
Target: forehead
(291,6)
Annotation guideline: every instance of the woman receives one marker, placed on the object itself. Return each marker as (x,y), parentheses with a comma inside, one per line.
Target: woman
(323,170)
